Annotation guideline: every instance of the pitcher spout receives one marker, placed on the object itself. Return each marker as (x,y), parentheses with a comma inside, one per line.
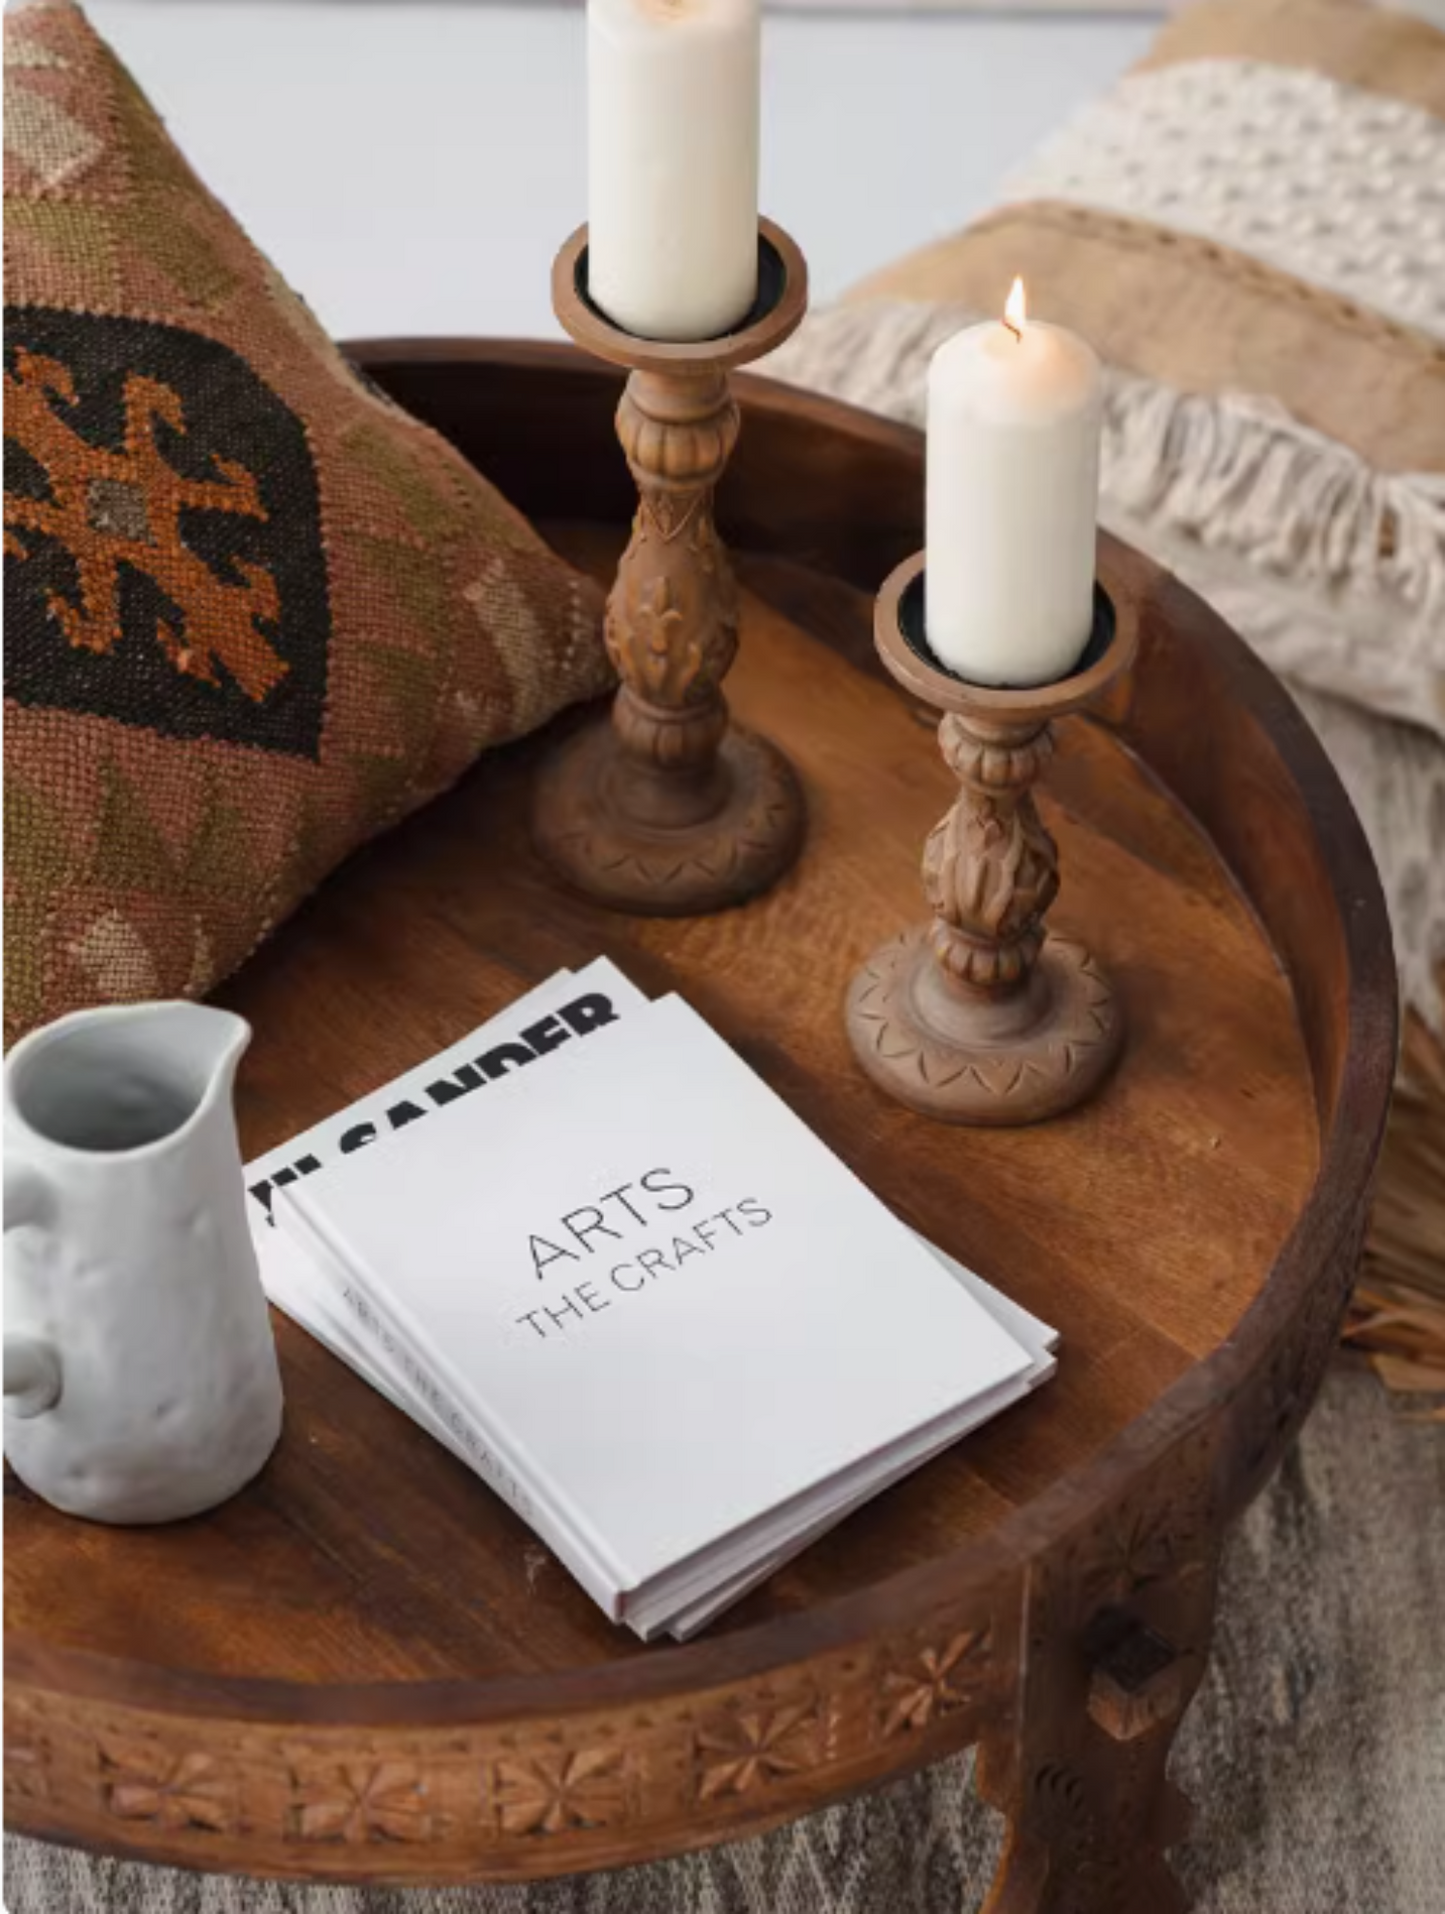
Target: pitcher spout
(199,1049)
(125,1077)
(208,1043)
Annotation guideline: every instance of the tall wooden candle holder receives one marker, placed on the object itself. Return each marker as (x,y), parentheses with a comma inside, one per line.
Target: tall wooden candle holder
(666,807)
(982,1016)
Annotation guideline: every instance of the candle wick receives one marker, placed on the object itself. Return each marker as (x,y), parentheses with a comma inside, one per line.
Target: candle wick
(1017,331)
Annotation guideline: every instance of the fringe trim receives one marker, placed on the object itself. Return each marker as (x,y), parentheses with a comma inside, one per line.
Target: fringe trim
(1236,471)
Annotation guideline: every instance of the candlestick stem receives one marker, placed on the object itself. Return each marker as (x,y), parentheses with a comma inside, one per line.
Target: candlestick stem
(990,869)
(672,617)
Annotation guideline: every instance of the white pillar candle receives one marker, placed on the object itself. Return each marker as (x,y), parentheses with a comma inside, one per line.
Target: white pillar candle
(1014,416)
(672,104)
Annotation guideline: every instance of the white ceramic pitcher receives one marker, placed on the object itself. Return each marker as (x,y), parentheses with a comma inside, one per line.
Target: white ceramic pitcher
(141,1382)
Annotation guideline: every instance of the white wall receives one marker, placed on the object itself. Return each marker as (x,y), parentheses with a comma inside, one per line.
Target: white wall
(412,166)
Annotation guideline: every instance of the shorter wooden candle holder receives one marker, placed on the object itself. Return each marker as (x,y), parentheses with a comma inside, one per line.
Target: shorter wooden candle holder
(981,1016)
(665,807)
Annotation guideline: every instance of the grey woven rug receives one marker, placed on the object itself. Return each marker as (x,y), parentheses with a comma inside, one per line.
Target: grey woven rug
(1315,1752)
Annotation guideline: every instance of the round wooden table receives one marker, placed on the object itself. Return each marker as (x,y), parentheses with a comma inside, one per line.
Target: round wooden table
(365,1669)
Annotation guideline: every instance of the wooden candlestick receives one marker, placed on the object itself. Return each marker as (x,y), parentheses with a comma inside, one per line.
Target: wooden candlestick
(665,807)
(982,1016)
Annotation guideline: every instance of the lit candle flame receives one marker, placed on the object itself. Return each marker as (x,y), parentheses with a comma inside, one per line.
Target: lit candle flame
(1016,310)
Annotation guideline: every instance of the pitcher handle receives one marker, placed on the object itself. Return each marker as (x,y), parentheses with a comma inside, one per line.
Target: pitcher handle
(33,1379)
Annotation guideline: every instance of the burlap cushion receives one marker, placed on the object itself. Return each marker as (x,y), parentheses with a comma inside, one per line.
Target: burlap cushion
(254,612)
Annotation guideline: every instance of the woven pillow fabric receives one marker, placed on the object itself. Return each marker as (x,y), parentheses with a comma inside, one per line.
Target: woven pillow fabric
(254,612)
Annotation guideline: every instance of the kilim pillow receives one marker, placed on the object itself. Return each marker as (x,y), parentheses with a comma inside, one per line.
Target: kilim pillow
(254,612)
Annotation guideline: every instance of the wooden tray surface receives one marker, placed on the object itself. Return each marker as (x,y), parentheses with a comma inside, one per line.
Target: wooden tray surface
(1189,1232)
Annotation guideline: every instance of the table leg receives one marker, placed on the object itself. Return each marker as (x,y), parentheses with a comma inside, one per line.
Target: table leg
(1114,1637)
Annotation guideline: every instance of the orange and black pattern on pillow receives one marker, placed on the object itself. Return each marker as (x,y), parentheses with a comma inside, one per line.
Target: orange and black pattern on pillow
(253,612)
(164,523)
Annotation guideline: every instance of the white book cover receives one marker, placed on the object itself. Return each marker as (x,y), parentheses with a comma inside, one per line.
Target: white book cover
(671,1310)
(373,1351)
(331,1308)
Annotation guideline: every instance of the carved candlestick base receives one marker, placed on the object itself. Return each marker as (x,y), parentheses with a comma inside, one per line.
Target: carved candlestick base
(664,806)
(982,1016)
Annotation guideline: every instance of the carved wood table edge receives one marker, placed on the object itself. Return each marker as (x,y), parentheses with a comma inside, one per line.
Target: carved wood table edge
(1066,1641)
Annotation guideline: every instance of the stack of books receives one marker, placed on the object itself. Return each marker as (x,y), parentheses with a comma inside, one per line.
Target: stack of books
(593,1254)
